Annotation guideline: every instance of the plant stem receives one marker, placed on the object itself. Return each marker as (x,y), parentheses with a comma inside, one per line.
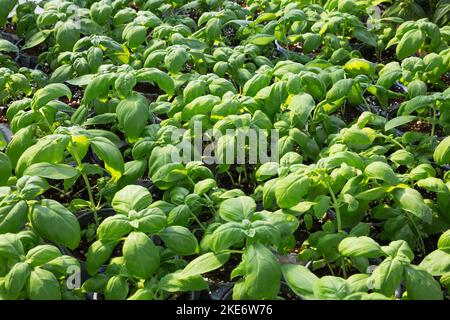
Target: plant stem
(329,267)
(246,174)
(212,204)
(88,187)
(231,178)
(45,121)
(416,228)
(235,251)
(190,181)
(343,267)
(433,124)
(335,204)
(198,221)
(91,198)
(393,141)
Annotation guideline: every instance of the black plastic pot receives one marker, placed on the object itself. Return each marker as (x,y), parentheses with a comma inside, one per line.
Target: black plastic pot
(151,97)
(11,37)
(398,87)
(86,217)
(6,132)
(28,61)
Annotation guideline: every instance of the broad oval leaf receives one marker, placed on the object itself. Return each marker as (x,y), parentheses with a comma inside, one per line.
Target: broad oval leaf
(141,255)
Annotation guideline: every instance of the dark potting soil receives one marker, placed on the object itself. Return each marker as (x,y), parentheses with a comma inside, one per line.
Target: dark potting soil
(35,51)
(230,34)
(81,251)
(77,96)
(3,118)
(350,113)
(45,67)
(133,5)
(422,127)
(147,88)
(427,194)
(395,103)
(387,55)
(9,28)
(430,244)
(221,275)
(78,190)
(296,47)
(442,84)
(242,3)
(446,79)
(192,13)
(247,185)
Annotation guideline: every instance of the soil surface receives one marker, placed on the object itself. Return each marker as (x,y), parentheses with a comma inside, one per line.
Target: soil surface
(77,96)
(3,118)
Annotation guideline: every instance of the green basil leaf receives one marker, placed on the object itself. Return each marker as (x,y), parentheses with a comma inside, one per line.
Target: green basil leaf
(204,186)
(226,235)
(179,282)
(42,254)
(442,153)
(290,190)
(300,107)
(300,279)
(36,39)
(21,141)
(16,279)
(387,276)
(6,6)
(48,149)
(50,92)
(205,263)
(162,79)
(360,247)
(67,34)
(398,121)
(420,285)
(331,288)
(31,186)
(114,227)
(180,240)
(110,155)
(381,171)
(133,113)
(52,171)
(10,246)
(175,59)
(43,285)
(141,255)
(96,283)
(98,253)
(132,197)
(444,241)
(150,220)
(436,263)
(261,39)
(410,43)
(411,201)
(116,288)
(237,209)
(44,215)
(61,266)
(261,273)
(13,217)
